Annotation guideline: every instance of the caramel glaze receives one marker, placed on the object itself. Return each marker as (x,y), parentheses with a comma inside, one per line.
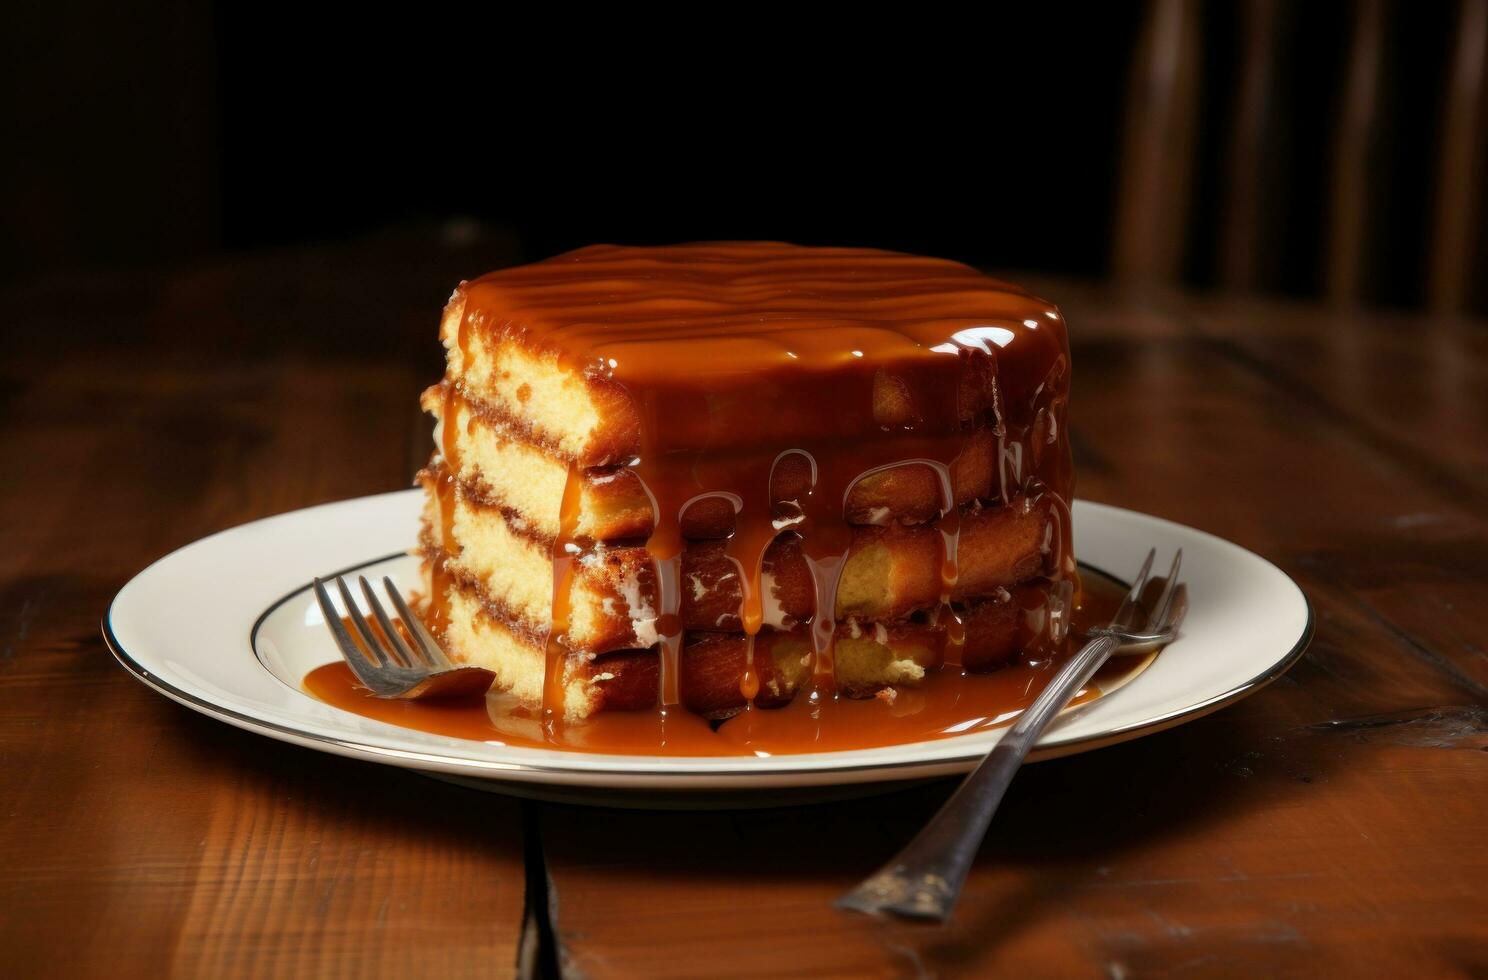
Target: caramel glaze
(946,704)
(735,356)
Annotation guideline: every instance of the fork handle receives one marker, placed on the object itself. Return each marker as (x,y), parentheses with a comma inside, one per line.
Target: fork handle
(925,878)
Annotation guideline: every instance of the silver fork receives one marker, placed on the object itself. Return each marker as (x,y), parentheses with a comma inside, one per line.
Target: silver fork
(397,669)
(924,880)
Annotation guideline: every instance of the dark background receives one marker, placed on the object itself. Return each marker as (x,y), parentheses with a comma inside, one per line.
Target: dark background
(162,132)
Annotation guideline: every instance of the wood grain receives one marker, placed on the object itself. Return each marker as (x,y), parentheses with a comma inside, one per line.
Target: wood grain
(1330,824)
(136,414)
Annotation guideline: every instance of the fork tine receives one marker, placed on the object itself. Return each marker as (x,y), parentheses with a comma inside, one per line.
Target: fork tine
(350,652)
(333,620)
(1164,602)
(360,622)
(416,628)
(399,648)
(1177,611)
(1128,610)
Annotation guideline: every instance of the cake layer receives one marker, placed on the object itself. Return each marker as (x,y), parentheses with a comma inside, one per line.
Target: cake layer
(512,340)
(890,572)
(500,466)
(574,415)
(867,657)
(650,411)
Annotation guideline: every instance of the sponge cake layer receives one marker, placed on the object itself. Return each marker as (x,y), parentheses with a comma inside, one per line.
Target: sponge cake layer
(508,469)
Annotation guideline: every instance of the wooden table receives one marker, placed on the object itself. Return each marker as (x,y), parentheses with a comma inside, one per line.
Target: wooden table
(1334,822)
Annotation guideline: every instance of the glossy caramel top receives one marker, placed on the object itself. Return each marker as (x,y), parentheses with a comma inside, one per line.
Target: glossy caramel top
(688,330)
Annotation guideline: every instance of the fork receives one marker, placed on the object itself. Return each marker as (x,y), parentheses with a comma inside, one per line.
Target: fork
(924,880)
(390,666)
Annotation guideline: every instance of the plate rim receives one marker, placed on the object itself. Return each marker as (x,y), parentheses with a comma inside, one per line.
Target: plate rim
(677,775)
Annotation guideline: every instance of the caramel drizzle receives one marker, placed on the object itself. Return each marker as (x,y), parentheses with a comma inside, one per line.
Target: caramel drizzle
(818,518)
(566,552)
(949,526)
(675,482)
(754,531)
(826,539)
(668,563)
(756,526)
(671,482)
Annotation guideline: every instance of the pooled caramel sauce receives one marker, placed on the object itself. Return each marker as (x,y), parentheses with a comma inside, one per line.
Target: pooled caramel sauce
(731,356)
(946,704)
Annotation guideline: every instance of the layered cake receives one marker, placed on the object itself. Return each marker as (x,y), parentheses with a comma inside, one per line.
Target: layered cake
(727,476)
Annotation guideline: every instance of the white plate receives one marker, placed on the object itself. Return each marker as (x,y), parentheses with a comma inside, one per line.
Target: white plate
(226,626)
